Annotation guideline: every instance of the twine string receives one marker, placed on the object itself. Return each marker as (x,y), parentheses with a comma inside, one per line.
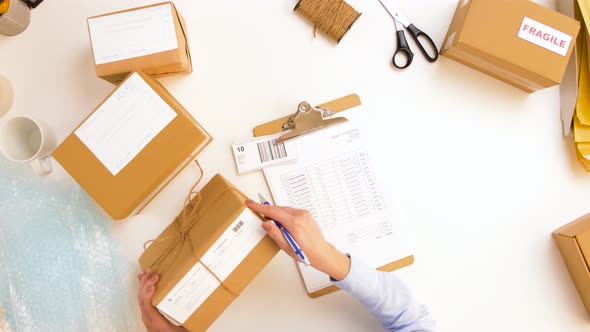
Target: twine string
(333,17)
(188,217)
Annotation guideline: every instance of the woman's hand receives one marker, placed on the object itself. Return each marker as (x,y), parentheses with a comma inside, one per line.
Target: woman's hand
(300,223)
(151,317)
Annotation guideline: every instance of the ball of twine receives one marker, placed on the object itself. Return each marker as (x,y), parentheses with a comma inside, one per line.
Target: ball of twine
(333,17)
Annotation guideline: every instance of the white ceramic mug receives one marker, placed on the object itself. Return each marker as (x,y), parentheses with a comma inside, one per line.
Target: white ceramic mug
(6,96)
(25,140)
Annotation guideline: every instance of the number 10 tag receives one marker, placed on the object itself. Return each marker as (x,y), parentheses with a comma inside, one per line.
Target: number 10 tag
(256,153)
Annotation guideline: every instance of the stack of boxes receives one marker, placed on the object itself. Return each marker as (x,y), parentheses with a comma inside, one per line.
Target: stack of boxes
(136,141)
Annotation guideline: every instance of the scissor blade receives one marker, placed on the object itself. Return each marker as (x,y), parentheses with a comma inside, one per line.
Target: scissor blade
(395,12)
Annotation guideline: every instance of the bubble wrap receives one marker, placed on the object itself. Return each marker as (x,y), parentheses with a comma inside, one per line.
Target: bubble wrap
(60,268)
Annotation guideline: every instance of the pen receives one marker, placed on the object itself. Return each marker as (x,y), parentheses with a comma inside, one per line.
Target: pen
(287,236)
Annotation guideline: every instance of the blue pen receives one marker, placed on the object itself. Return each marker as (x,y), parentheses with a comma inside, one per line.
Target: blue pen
(287,236)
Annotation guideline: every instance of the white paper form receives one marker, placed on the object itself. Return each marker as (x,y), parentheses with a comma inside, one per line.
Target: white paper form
(224,256)
(132,34)
(334,179)
(234,244)
(125,123)
(189,293)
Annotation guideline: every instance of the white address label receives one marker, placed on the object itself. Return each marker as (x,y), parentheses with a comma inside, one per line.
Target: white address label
(222,258)
(544,36)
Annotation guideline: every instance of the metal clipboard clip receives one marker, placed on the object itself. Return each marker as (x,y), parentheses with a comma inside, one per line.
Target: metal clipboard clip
(308,119)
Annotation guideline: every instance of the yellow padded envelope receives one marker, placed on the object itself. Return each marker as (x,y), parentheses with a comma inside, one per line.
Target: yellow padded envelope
(583,102)
(581,132)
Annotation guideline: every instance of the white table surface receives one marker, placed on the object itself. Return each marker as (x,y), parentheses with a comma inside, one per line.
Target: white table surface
(480,170)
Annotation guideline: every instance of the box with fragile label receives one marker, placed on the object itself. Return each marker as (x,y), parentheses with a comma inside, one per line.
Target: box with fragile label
(519,42)
(135,142)
(573,240)
(151,39)
(207,256)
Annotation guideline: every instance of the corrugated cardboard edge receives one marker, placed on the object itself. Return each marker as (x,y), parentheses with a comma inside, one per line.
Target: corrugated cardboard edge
(119,77)
(575,261)
(496,68)
(456,26)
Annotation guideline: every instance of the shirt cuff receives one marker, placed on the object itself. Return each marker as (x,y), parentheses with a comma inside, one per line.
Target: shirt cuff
(358,272)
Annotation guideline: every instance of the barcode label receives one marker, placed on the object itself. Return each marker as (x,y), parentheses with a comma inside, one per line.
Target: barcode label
(271,150)
(238,226)
(260,152)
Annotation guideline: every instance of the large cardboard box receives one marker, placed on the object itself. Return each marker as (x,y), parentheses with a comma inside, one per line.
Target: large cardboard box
(519,42)
(207,256)
(151,39)
(131,146)
(573,240)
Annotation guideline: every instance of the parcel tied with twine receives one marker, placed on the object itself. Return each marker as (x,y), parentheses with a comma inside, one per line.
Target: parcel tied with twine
(210,252)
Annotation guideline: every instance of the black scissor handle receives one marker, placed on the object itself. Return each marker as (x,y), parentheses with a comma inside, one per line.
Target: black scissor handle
(403,52)
(419,37)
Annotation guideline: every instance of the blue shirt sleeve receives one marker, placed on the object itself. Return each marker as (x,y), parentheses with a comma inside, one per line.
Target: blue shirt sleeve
(387,297)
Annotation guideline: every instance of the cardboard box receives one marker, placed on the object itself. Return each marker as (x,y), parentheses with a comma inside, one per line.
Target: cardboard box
(207,256)
(573,240)
(151,39)
(519,42)
(131,146)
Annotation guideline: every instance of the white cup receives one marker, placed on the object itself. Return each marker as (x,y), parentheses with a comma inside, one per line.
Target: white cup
(25,140)
(6,96)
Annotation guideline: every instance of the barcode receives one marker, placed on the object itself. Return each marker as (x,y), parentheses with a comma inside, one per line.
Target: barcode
(238,226)
(271,150)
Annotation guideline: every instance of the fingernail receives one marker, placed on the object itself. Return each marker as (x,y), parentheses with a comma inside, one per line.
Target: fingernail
(249,201)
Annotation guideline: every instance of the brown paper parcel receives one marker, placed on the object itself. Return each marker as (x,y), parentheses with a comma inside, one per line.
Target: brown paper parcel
(192,233)
(148,173)
(175,61)
(513,41)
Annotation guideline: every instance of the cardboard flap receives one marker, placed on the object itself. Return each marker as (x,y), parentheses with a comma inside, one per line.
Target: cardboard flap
(584,243)
(338,105)
(578,226)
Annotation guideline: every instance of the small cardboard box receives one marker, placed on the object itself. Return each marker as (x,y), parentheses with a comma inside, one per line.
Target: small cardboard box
(135,142)
(573,240)
(519,42)
(209,254)
(151,39)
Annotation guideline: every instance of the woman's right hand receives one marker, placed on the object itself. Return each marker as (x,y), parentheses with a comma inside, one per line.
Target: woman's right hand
(300,223)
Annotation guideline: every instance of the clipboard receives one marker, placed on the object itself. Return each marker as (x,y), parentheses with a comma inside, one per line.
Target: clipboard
(337,105)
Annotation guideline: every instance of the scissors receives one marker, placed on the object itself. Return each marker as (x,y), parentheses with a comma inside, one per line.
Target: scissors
(403,56)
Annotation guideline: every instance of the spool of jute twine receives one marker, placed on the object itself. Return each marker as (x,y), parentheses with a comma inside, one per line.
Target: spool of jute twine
(332,17)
